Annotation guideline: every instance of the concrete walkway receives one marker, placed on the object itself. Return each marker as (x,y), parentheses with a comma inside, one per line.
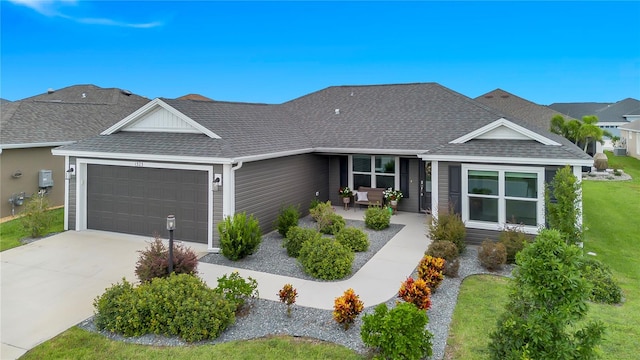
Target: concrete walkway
(49,285)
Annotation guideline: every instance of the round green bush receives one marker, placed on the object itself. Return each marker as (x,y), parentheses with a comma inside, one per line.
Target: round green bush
(514,240)
(492,255)
(326,259)
(449,226)
(604,289)
(443,249)
(179,305)
(296,236)
(331,224)
(353,238)
(239,236)
(377,218)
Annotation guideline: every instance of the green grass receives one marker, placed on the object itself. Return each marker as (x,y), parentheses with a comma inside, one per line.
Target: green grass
(12,231)
(77,344)
(475,316)
(611,218)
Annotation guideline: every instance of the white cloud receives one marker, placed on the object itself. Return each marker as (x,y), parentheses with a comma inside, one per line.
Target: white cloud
(50,8)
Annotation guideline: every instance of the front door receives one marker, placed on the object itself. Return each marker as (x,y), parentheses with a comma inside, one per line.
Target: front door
(425,187)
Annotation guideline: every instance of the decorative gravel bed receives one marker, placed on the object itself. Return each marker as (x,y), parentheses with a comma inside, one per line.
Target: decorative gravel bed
(267,318)
(272,258)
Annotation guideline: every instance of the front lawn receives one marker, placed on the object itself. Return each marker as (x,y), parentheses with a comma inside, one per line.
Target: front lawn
(611,219)
(12,231)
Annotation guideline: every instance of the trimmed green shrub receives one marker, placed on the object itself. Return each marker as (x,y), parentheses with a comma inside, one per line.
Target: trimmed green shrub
(353,238)
(296,236)
(239,236)
(398,333)
(326,259)
(321,210)
(35,218)
(492,255)
(331,224)
(154,260)
(514,240)
(179,305)
(449,226)
(287,218)
(315,202)
(544,318)
(604,289)
(236,289)
(377,218)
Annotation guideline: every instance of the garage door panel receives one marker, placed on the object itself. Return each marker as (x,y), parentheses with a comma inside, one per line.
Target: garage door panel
(137,200)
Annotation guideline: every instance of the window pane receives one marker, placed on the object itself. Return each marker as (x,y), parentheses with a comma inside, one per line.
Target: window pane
(384,182)
(385,164)
(483,209)
(362,163)
(361,180)
(523,185)
(522,212)
(483,182)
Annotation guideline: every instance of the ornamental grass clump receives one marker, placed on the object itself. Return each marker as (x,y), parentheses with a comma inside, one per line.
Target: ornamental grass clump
(288,295)
(416,292)
(430,269)
(449,226)
(346,308)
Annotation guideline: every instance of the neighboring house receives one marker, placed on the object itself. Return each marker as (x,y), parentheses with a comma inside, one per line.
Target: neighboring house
(630,135)
(205,160)
(610,115)
(519,108)
(31,127)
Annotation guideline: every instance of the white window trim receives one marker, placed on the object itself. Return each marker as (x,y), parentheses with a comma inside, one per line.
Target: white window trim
(539,171)
(373,173)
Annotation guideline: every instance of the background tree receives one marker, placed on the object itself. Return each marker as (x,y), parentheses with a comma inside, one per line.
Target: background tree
(578,132)
(589,131)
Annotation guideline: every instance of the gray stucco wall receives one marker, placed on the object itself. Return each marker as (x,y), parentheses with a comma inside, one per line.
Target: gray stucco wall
(264,187)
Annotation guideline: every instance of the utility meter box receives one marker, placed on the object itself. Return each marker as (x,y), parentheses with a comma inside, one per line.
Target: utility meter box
(45,178)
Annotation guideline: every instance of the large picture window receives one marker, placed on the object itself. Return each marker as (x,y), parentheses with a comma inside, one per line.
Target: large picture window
(374,171)
(497,195)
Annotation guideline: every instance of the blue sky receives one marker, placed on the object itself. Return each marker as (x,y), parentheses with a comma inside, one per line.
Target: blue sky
(272,52)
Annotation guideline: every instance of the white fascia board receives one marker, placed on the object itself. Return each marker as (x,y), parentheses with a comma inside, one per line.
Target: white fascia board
(271,155)
(411,152)
(148,107)
(504,122)
(506,160)
(35,145)
(143,157)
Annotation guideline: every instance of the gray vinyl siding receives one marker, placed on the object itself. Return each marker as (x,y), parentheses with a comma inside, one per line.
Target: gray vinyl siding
(443,186)
(263,187)
(71,211)
(477,236)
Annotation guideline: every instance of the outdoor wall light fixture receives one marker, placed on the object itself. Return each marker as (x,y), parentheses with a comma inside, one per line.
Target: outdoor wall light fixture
(171,225)
(217,181)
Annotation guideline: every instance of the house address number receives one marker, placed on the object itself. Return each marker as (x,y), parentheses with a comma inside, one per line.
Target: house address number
(138,164)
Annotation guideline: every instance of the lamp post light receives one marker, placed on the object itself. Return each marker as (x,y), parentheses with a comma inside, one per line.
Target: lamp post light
(171,225)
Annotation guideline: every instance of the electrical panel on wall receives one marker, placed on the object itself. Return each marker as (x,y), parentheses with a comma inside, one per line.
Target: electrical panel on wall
(45,178)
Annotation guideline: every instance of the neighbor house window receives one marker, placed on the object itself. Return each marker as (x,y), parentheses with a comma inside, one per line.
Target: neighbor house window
(499,195)
(374,171)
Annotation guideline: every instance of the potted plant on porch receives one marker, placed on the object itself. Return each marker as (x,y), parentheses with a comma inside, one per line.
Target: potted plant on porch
(345,193)
(392,196)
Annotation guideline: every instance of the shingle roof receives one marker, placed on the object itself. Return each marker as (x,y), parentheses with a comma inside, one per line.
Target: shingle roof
(510,149)
(634,125)
(578,110)
(615,112)
(517,107)
(389,118)
(70,114)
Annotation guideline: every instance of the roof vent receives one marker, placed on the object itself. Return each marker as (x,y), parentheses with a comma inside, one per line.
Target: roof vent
(50,91)
(84,95)
(504,96)
(126,92)
(488,97)
(337,111)
(351,93)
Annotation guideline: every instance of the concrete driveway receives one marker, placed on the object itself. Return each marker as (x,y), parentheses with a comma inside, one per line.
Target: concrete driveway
(49,285)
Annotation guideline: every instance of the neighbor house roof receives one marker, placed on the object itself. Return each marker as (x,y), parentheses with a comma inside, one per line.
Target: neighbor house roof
(578,110)
(632,126)
(519,108)
(616,112)
(403,119)
(66,115)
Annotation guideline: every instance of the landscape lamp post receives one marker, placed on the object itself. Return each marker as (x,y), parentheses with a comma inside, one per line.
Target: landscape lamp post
(171,225)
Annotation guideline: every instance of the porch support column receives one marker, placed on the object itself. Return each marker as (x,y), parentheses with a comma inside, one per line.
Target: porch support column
(434,189)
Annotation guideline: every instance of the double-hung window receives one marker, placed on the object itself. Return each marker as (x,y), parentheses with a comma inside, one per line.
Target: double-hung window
(374,171)
(497,195)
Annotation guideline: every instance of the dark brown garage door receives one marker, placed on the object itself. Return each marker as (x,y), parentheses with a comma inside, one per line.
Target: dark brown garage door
(137,201)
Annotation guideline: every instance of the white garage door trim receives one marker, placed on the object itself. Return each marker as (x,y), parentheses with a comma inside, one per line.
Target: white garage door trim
(81,187)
